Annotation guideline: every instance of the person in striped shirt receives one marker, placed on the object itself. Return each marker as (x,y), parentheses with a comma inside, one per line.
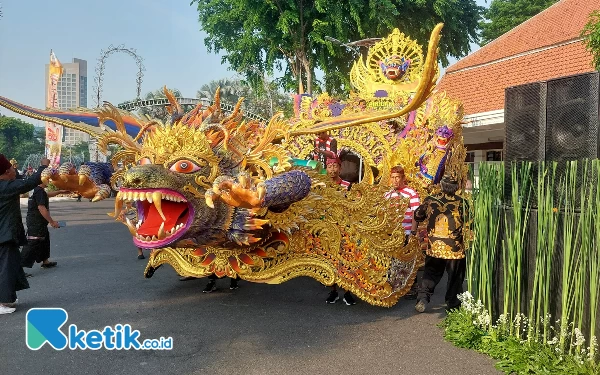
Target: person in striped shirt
(401,190)
(325,148)
(333,171)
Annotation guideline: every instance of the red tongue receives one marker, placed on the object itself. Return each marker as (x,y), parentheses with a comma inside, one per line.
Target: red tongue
(152,219)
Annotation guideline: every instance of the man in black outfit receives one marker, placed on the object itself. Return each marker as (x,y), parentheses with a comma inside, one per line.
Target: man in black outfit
(38,236)
(445,215)
(12,233)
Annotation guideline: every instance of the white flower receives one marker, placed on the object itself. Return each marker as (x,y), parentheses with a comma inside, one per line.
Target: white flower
(502,319)
(579,338)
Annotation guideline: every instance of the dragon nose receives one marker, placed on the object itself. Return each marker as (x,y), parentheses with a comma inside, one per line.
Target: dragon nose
(136,181)
(134,177)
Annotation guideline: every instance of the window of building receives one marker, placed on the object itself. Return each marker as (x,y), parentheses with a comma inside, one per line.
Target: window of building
(470,158)
(493,155)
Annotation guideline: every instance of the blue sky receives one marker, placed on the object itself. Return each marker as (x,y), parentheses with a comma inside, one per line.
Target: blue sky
(165,33)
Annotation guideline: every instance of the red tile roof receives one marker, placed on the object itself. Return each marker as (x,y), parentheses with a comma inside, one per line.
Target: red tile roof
(482,89)
(544,47)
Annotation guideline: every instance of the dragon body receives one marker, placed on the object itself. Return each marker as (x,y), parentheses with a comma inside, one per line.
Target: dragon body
(216,194)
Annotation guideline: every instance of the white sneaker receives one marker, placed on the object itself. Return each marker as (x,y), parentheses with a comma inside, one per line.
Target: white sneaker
(14,304)
(6,309)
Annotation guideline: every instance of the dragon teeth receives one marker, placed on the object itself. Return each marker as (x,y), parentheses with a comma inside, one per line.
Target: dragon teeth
(161,232)
(118,206)
(157,199)
(149,196)
(131,227)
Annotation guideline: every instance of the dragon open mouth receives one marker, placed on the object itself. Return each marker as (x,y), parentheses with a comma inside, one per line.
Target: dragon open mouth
(163,216)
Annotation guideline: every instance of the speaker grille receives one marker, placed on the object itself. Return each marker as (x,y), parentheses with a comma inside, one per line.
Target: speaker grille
(572,118)
(525,119)
(525,125)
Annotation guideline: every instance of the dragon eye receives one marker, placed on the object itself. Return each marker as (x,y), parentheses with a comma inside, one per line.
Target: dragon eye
(184,166)
(144,161)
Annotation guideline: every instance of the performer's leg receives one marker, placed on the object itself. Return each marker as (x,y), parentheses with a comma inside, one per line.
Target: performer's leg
(28,254)
(12,277)
(333,295)
(349,299)
(44,253)
(233,284)
(456,269)
(212,285)
(434,270)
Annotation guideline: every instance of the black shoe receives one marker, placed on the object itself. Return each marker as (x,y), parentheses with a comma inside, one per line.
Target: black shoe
(49,265)
(210,287)
(348,299)
(28,274)
(333,297)
(233,285)
(141,256)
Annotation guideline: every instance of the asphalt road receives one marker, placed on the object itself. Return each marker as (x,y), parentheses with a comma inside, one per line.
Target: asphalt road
(257,329)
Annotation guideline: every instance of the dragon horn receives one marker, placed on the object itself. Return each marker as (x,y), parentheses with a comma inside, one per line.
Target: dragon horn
(426,86)
(174,108)
(85,121)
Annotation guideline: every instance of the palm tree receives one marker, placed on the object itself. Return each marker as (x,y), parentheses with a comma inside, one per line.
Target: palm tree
(264,103)
(231,90)
(158,112)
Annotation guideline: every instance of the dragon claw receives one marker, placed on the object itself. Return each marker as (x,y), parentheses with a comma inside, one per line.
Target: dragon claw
(261,189)
(208,197)
(243,181)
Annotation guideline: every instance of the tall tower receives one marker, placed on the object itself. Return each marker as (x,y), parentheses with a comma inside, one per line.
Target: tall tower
(72,93)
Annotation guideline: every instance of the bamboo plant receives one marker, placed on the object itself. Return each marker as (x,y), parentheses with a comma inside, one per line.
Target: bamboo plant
(514,245)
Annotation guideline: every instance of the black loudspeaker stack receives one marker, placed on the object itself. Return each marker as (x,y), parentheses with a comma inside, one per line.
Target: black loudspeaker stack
(555,120)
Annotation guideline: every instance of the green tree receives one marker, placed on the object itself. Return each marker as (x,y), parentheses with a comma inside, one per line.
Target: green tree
(504,15)
(231,90)
(18,139)
(113,149)
(80,150)
(264,35)
(159,112)
(591,37)
(264,102)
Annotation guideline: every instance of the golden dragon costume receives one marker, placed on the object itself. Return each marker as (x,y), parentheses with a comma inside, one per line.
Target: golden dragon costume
(219,195)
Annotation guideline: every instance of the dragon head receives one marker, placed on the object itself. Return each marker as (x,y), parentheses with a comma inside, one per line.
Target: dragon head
(175,161)
(176,165)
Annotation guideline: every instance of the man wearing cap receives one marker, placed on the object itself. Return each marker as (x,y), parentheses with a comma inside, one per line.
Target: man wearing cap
(12,233)
(445,215)
(333,171)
